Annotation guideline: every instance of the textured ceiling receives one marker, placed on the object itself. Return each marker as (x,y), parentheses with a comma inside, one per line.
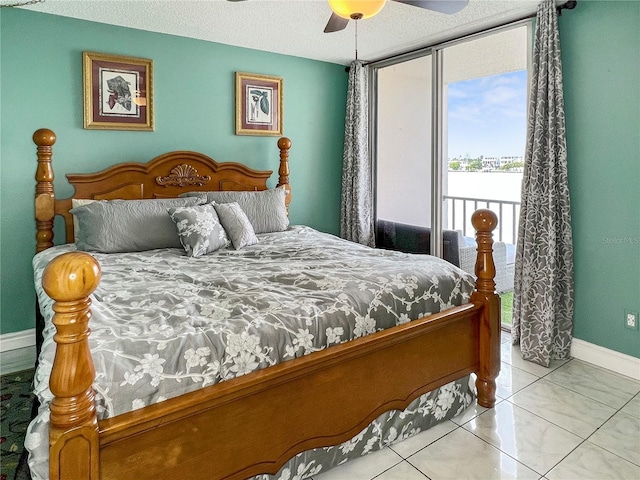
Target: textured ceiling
(294,27)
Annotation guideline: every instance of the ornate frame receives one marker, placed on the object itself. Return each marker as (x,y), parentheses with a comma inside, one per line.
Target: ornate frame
(118,92)
(259,104)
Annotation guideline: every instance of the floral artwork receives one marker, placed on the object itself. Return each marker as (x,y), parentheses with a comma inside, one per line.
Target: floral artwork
(118,92)
(258,104)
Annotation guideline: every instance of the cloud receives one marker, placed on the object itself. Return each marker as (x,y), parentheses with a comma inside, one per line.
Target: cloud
(487,116)
(475,100)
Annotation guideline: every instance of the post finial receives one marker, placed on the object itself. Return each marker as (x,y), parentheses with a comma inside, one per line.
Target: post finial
(284,143)
(71,277)
(484,220)
(44,137)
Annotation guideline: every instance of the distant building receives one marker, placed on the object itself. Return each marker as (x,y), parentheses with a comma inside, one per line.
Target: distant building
(490,164)
(462,163)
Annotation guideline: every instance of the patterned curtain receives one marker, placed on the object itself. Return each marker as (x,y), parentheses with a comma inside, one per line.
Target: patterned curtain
(356,213)
(543,297)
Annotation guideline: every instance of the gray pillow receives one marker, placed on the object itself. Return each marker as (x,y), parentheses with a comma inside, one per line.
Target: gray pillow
(78,202)
(236,224)
(128,225)
(199,229)
(265,209)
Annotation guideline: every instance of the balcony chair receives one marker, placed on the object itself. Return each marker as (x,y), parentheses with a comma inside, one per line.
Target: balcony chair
(457,249)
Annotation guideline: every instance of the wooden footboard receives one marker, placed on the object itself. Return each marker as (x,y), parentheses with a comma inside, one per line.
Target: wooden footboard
(255,423)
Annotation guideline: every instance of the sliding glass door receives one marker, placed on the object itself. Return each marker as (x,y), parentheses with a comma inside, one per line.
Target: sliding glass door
(485,92)
(449,127)
(403,154)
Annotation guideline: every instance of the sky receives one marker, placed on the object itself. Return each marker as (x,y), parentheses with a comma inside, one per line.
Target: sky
(487,116)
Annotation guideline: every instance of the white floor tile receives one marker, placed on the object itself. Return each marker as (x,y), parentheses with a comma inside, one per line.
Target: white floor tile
(512,355)
(594,382)
(411,445)
(471,412)
(570,410)
(505,337)
(531,440)
(538,432)
(363,468)
(512,380)
(590,462)
(402,471)
(462,455)
(633,407)
(620,435)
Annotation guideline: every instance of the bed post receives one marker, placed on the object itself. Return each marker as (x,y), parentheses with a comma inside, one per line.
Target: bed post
(73,431)
(485,221)
(284,144)
(44,202)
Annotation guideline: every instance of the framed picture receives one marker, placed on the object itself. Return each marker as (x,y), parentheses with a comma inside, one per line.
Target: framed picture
(258,104)
(118,92)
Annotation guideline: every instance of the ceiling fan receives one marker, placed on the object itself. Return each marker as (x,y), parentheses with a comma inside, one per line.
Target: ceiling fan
(345,10)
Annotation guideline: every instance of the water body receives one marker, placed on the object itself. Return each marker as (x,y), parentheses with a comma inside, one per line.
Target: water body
(491,185)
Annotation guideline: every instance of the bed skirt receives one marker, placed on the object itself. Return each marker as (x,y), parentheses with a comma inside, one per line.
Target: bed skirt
(391,427)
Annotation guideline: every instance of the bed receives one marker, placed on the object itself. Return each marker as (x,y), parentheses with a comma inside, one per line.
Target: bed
(257,415)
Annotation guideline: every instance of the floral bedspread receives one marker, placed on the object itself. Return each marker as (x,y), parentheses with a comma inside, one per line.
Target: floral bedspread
(165,324)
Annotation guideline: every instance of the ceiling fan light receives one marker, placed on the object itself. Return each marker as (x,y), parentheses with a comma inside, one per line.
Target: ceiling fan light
(359,8)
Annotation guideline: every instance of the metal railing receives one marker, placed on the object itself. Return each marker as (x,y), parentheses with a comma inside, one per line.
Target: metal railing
(457,213)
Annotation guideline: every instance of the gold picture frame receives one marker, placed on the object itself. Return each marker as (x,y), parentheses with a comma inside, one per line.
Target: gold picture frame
(118,92)
(259,104)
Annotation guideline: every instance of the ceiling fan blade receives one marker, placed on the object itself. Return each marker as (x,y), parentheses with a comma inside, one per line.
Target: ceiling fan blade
(336,23)
(442,6)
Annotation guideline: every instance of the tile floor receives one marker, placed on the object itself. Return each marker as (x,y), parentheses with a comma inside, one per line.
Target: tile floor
(570,421)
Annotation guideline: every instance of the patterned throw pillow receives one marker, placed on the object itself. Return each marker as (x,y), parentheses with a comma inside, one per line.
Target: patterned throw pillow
(237,225)
(199,229)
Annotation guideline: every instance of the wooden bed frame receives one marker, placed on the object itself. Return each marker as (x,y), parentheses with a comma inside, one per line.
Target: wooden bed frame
(255,423)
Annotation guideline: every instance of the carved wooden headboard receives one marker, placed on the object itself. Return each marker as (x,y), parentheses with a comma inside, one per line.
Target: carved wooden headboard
(166,176)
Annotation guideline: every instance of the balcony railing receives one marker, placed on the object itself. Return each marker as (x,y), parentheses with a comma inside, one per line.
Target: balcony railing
(458,210)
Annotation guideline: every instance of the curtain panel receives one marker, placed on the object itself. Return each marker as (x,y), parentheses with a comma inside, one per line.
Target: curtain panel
(543,283)
(356,214)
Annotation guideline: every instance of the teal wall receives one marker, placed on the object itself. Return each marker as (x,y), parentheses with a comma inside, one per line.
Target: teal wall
(600,44)
(41,65)
(42,87)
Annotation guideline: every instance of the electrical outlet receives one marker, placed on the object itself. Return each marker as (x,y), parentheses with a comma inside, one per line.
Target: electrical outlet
(631,319)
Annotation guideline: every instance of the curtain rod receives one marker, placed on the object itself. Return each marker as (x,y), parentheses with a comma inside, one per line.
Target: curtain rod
(569,5)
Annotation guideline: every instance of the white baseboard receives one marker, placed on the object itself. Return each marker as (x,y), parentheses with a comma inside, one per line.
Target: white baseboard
(16,340)
(17,351)
(606,358)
